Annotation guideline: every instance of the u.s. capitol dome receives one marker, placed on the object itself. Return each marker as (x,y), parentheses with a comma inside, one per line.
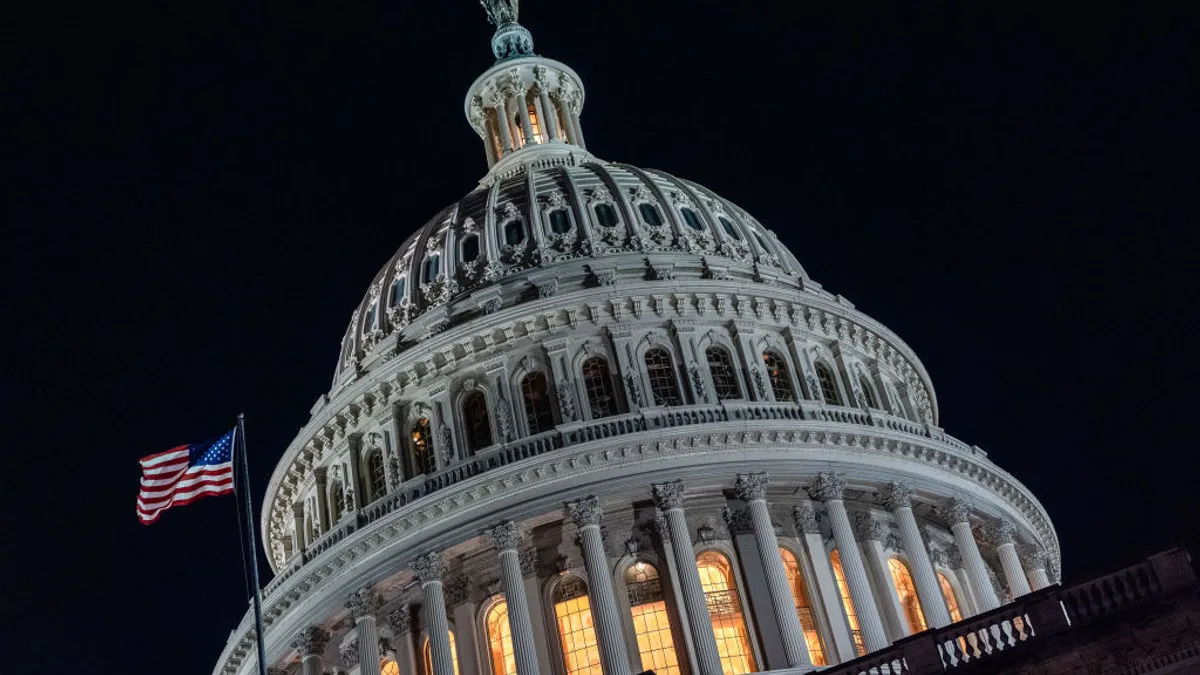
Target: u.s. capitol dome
(593,419)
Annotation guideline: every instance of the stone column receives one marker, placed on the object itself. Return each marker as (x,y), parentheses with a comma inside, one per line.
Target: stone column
(400,621)
(428,569)
(871,532)
(526,127)
(1035,562)
(614,655)
(957,512)
(669,499)
(362,605)
(321,480)
(1014,574)
(537,614)
(546,112)
(827,593)
(752,489)
(898,499)
(298,524)
(506,538)
(311,644)
(502,121)
(970,606)
(829,488)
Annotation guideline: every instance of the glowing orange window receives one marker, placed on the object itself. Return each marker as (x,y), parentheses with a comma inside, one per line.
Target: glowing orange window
(907,594)
(429,655)
(500,643)
(725,610)
(951,599)
(651,622)
(580,650)
(835,561)
(803,607)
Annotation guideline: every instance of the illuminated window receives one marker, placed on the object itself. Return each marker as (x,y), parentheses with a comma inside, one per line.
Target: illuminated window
(829,388)
(650,214)
(598,385)
(835,561)
(398,291)
(538,136)
(514,232)
(535,395)
(728,624)
(663,385)
(868,393)
(720,365)
(606,215)
(424,459)
(581,654)
(389,667)
(651,622)
(777,372)
(560,221)
(803,607)
(429,655)
(500,643)
(907,593)
(950,597)
(433,264)
(470,247)
(730,230)
(692,220)
(475,421)
(376,475)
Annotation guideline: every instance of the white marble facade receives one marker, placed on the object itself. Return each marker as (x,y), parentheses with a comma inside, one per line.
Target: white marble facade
(570,386)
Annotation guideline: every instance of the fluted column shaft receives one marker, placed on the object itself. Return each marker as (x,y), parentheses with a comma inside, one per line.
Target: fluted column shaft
(362,605)
(1014,574)
(311,644)
(502,125)
(899,500)
(546,116)
(428,569)
(614,656)
(311,664)
(1038,578)
(526,127)
(958,513)
(506,538)
(669,497)
(752,489)
(828,489)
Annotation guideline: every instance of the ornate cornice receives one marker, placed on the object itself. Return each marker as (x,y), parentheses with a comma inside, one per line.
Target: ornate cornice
(751,486)
(585,511)
(898,496)
(668,496)
(827,487)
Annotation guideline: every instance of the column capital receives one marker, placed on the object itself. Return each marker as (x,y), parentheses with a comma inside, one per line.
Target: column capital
(585,512)
(1005,532)
(349,654)
(428,568)
(827,486)
(668,496)
(363,602)
(400,620)
(311,641)
(805,515)
(897,495)
(505,536)
(458,590)
(1033,558)
(751,486)
(529,560)
(956,510)
(870,528)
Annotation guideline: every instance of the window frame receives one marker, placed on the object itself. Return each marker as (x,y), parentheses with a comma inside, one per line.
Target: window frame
(734,372)
(466,424)
(608,376)
(833,388)
(739,586)
(649,379)
(777,383)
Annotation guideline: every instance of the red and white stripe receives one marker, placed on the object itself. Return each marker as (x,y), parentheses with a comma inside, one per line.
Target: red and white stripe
(168,481)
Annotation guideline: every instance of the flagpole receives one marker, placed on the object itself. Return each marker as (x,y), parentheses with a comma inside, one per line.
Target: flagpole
(252,538)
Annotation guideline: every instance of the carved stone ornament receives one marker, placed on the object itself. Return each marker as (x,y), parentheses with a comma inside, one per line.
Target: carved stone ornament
(529,561)
(870,528)
(805,515)
(446,440)
(1033,558)
(491,305)
(739,521)
(457,590)
(668,496)
(1005,532)
(505,536)
(566,400)
(898,496)
(428,568)
(349,654)
(400,620)
(751,486)
(504,420)
(955,510)
(827,486)
(954,558)
(311,640)
(760,383)
(363,602)
(585,512)
(698,385)
(633,384)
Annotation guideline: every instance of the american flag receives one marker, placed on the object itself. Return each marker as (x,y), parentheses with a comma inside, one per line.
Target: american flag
(184,474)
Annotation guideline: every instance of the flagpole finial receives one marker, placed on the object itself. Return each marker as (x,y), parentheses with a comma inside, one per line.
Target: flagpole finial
(512,40)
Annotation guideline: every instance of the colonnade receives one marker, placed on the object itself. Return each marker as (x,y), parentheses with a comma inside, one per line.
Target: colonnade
(862,559)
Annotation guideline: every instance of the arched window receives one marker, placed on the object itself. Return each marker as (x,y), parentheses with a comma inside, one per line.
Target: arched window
(514,232)
(868,393)
(829,388)
(907,593)
(499,636)
(781,381)
(725,610)
(536,126)
(475,421)
(560,221)
(650,214)
(803,607)
(730,229)
(651,622)
(470,247)
(951,599)
(536,396)
(337,502)
(424,459)
(598,385)
(606,215)
(376,475)
(397,291)
(720,365)
(428,652)
(692,220)
(433,265)
(369,319)
(663,385)
(576,633)
(835,561)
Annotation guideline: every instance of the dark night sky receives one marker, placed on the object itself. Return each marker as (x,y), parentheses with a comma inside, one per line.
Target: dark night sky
(196,195)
